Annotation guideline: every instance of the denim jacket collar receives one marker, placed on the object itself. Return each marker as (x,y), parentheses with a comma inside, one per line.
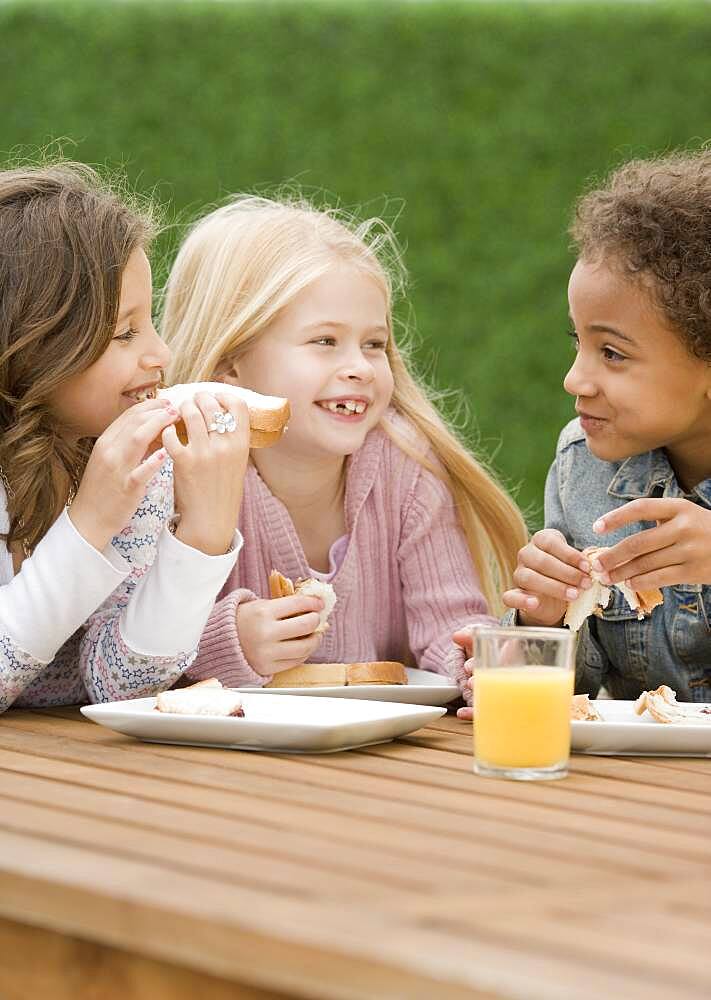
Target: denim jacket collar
(641,475)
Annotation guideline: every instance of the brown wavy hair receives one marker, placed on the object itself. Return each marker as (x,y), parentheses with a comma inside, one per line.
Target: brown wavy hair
(65,239)
(651,220)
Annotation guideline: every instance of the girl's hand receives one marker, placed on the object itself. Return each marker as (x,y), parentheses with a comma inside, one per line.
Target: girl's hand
(464,638)
(117,473)
(550,573)
(209,472)
(678,550)
(278,633)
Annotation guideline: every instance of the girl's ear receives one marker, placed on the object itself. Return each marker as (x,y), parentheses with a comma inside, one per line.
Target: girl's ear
(226,371)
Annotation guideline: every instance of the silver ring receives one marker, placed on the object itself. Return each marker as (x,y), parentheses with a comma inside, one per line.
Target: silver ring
(224,423)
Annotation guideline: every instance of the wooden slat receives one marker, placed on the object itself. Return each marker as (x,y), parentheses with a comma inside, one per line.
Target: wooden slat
(45,965)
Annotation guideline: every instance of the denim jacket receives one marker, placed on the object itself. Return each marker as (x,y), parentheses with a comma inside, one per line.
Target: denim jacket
(671,646)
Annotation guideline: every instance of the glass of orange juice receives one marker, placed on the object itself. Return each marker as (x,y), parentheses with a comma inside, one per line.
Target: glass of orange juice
(523,682)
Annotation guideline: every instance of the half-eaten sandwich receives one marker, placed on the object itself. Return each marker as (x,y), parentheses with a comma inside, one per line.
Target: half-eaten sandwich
(204,698)
(268,415)
(282,586)
(597,597)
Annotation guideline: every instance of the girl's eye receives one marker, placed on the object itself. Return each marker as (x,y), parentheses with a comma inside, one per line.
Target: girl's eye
(126,337)
(377,345)
(610,354)
(325,341)
(575,338)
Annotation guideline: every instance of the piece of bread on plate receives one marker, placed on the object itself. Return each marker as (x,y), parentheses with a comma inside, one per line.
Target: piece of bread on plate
(583,710)
(597,597)
(282,586)
(340,674)
(206,697)
(268,415)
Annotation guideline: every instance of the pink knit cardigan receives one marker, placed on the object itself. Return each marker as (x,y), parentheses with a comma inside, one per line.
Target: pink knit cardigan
(406,582)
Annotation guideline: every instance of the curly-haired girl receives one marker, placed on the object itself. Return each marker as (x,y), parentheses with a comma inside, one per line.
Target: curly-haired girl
(634,470)
(98,598)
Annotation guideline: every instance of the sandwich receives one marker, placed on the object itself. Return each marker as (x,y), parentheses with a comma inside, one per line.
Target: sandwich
(597,597)
(204,698)
(268,415)
(340,674)
(663,707)
(281,586)
(583,710)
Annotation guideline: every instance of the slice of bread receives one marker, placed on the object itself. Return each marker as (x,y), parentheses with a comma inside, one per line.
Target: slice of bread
(340,674)
(207,697)
(583,710)
(281,586)
(268,415)
(597,597)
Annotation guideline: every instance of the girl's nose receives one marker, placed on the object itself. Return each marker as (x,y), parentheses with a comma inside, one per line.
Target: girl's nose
(578,382)
(157,354)
(358,369)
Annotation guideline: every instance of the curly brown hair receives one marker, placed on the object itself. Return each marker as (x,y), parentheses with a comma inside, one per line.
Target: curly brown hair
(652,220)
(65,239)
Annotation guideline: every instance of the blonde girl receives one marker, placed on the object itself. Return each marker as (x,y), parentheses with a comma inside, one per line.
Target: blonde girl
(369,488)
(95,600)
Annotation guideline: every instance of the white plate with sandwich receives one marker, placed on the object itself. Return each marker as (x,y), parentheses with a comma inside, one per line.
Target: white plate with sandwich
(654,725)
(214,716)
(378,681)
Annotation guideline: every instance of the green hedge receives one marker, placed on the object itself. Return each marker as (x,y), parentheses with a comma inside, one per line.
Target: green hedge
(475,124)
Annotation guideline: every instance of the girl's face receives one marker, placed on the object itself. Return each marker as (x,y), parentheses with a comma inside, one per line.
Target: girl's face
(636,385)
(127,371)
(326,353)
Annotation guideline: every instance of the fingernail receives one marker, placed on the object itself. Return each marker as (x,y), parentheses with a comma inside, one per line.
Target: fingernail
(599,525)
(587,583)
(532,602)
(161,453)
(571,593)
(584,565)
(605,578)
(597,566)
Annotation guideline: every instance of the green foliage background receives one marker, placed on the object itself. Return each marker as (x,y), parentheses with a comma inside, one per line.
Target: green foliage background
(473,125)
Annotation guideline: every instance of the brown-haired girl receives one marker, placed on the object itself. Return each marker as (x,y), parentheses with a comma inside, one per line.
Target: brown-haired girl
(634,470)
(90,608)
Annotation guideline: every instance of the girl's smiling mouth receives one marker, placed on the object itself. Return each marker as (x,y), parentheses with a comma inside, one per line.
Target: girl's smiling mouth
(142,392)
(349,408)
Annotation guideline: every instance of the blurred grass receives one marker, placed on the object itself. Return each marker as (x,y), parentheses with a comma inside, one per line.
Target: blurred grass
(475,126)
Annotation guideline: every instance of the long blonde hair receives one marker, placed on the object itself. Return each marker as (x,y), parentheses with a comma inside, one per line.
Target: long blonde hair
(246,261)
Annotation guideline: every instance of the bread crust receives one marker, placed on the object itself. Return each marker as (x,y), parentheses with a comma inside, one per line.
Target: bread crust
(340,674)
(267,420)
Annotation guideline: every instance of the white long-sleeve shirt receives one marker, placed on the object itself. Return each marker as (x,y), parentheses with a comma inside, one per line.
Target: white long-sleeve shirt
(77,624)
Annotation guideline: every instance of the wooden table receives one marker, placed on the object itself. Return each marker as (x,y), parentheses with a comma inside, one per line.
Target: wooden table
(142,871)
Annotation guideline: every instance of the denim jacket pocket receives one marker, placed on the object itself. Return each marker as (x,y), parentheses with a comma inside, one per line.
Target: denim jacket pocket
(691,639)
(618,610)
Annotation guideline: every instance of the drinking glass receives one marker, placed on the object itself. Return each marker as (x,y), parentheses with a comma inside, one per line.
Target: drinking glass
(523,682)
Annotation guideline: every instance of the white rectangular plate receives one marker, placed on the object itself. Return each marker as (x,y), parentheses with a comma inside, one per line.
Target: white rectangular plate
(276,723)
(423,688)
(623,732)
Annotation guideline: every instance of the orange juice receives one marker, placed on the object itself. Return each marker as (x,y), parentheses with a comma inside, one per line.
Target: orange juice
(522,716)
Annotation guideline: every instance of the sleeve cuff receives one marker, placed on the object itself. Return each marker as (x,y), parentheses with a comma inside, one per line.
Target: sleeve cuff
(171,604)
(60,585)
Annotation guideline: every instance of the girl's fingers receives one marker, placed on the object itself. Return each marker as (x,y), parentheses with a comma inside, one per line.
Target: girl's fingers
(646,509)
(550,566)
(295,650)
(143,473)
(171,441)
(553,542)
(239,410)
(297,627)
(666,577)
(194,423)
(614,561)
(297,604)
(520,600)
(209,407)
(649,563)
(542,586)
(466,713)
